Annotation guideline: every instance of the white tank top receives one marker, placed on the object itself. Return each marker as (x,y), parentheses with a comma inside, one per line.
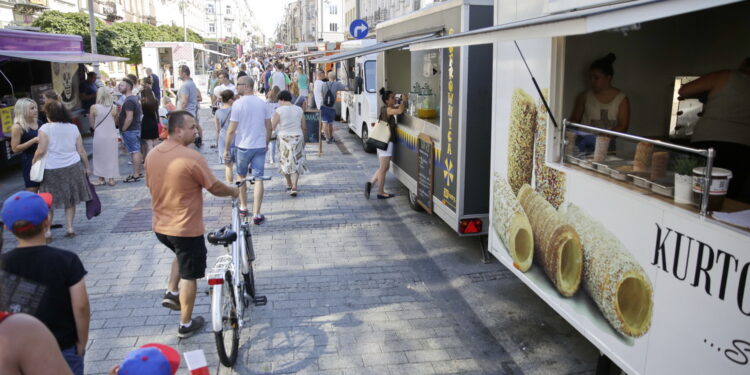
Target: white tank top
(601,115)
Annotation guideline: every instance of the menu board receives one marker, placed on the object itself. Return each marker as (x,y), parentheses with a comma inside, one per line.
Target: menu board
(312,123)
(425,171)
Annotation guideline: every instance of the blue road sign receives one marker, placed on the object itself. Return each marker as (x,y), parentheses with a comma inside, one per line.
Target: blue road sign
(359,29)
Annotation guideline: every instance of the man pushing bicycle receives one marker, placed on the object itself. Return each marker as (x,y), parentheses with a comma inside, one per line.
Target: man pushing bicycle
(176,176)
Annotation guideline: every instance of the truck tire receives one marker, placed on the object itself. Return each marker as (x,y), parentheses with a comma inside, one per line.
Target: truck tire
(413,202)
(368,148)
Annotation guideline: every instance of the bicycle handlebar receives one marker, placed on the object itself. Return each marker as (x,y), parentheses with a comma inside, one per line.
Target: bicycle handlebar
(252,180)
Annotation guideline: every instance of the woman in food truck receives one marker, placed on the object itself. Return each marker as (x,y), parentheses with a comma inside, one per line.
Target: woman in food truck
(388,113)
(725,123)
(602,105)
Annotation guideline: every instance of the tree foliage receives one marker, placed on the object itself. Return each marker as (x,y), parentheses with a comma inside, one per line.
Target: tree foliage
(118,39)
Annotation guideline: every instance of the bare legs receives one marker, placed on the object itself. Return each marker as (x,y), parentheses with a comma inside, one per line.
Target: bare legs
(187,289)
(257,196)
(70,215)
(291,180)
(228,173)
(137,160)
(379,176)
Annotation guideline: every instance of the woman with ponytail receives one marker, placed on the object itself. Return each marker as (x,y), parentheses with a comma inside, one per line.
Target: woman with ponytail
(388,113)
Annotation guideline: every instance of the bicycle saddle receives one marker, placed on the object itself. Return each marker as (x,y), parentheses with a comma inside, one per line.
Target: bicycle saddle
(223,236)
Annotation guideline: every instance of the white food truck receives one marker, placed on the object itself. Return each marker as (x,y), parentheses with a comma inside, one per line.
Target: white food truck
(359,105)
(161,56)
(600,233)
(442,141)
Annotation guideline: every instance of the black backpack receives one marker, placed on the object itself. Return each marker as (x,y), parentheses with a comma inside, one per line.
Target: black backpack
(329,100)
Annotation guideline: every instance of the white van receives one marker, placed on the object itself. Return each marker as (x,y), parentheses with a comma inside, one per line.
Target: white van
(359,105)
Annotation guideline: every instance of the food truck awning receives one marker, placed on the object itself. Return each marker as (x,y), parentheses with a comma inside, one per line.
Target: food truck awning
(68,57)
(576,22)
(375,48)
(312,53)
(200,47)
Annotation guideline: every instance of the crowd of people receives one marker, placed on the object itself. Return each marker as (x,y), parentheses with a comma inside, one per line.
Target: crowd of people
(258,114)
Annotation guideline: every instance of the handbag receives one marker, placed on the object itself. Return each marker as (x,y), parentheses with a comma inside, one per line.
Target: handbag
(93,205)
(380,135)
(36,173)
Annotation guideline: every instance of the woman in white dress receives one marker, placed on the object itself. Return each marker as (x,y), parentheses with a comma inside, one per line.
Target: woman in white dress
(105,157)
(289,124)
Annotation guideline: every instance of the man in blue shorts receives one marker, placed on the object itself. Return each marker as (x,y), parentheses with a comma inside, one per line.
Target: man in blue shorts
(250,126)
(129,122)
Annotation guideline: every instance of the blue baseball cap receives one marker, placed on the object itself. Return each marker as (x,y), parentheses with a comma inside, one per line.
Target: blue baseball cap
(24,205)
(145,361)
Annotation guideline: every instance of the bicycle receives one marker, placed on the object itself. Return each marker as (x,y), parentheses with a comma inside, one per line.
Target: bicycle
(228,286)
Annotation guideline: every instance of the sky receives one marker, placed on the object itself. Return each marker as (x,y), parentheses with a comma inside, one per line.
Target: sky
(268,13)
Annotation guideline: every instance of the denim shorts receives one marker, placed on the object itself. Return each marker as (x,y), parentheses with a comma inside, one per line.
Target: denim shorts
(254,158)
(75,361)
(132,140)
(328,114)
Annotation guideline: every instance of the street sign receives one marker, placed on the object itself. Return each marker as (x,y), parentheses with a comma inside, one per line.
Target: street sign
(359,29)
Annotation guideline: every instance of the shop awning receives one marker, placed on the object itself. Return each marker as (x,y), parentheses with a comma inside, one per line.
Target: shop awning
(60,57)
(375,48)
(576,22)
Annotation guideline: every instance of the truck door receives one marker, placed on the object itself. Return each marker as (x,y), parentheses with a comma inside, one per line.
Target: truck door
(150,56)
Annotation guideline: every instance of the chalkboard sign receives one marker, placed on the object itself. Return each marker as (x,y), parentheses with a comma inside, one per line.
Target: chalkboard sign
(312,122)
(425,171)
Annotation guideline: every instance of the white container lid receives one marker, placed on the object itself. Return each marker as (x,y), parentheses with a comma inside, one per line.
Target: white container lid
(715,172)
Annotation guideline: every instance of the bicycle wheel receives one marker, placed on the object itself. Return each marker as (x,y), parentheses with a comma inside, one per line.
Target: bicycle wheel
(249,277)
(229,335)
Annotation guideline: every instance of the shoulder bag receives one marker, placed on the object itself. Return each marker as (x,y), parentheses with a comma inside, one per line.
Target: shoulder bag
(102,120)
(36,173)
(380,135)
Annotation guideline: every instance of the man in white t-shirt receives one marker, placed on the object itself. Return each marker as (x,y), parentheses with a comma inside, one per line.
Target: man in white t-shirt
(224,84)
(278,78)
(250,126)
(318,88)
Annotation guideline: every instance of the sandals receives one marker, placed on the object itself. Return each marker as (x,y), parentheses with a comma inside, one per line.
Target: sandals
(70,234)
(132,178)
(244,213)
(385,196)
(98,183)
(293,192)
(112,183)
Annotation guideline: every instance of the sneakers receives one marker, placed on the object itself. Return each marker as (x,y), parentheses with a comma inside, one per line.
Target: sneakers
(257,219)
(196,324)
(171,302)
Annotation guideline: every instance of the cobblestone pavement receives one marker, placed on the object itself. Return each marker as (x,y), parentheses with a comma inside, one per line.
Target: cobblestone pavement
(353,286)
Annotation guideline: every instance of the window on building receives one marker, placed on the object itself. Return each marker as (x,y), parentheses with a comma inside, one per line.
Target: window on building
(333,27)
(229,28)
(334,9)
(211,27)
(210,8)
(229,9)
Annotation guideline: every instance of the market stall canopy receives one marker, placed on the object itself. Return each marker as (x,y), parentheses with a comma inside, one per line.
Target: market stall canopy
(375,48)
(576,22)
(60,57)
(200,47)
(61,48)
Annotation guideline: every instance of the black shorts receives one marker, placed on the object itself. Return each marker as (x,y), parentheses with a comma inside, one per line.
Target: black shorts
(191,254)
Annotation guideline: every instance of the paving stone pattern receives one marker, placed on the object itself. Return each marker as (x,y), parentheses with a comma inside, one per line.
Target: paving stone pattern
(353,286)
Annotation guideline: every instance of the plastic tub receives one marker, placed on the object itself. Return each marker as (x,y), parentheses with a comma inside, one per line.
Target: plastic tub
(720,178)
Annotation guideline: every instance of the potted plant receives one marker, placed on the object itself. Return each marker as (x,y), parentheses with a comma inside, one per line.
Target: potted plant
(683,168)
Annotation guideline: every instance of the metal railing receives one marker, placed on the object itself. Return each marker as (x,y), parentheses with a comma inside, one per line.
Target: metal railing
(709,154)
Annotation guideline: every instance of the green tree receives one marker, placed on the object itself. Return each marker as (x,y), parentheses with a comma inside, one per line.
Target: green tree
(127,38)
(69,23)
(176,34)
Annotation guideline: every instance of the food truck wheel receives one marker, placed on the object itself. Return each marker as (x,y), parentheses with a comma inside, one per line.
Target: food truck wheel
(606,366)
(413,202)
(368,148)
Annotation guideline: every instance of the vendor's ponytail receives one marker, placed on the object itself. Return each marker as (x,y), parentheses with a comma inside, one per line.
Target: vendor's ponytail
(384,94)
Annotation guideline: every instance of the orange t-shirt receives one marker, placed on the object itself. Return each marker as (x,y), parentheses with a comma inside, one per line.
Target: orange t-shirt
(176,176)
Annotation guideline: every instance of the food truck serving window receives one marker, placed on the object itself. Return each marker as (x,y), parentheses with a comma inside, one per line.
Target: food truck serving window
(630,81)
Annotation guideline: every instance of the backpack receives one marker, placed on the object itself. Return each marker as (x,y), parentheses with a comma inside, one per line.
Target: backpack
(329,100)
